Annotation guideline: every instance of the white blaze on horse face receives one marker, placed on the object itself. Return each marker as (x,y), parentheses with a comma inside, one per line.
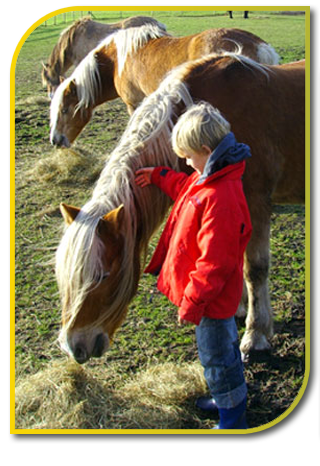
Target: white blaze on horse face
(67,120)
(59,117)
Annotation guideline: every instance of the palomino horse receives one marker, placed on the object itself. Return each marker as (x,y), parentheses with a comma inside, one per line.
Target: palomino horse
(131,64)
(77,41)
(98,260)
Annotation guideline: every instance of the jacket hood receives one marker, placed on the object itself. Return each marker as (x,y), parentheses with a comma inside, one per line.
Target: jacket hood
(227,152)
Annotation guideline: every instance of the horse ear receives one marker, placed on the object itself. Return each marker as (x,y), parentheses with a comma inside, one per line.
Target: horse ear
(112,221)
(69,213)
(45,65)
(73,87)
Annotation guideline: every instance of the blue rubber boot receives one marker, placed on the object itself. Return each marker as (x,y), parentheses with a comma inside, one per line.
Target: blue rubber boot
(207,404)
(233,418)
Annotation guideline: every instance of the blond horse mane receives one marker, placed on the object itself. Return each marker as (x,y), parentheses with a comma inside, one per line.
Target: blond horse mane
(86,76)
(128,41)
(146,141)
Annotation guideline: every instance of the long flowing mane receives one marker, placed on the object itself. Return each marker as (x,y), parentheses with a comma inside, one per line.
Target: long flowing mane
(146,141)
(86,75)
(76,41)
(130,40)
(272,100)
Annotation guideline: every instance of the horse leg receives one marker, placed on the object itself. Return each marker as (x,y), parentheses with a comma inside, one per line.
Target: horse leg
(242,308)
(259,321)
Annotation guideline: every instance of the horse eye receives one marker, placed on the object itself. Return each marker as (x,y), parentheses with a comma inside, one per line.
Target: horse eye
(105,275)
(102,277)
(64,111)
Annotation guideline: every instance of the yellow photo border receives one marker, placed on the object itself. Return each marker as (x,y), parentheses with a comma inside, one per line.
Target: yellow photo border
(264,427)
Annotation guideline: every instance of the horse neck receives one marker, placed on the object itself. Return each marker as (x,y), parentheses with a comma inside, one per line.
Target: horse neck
(57,64)
(61,58)
(138,77)
(106,69)
(145,142)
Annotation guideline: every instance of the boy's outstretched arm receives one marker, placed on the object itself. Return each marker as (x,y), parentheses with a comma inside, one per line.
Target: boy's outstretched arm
(167,179)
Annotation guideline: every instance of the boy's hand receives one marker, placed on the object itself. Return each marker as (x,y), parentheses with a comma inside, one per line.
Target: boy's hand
(143,176)
(183,322)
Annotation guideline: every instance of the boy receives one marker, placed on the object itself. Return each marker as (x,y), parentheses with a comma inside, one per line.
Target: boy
(200,252)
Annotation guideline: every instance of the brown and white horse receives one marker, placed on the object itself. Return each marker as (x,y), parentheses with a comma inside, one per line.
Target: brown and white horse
(77,41)
(131,64)
(98,261)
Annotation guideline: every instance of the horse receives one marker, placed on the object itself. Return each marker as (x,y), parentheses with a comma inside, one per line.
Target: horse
(130,64)
(102,253)
(77,41)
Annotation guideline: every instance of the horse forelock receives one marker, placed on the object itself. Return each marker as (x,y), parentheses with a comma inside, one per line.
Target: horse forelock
(56,102)
(146,141)
(77,273)
(87,82)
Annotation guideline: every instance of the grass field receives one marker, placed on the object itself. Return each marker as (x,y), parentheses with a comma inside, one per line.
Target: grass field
(150,350)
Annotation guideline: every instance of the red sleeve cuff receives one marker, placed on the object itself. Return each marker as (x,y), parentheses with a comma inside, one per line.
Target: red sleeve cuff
(191,312)
(157,173)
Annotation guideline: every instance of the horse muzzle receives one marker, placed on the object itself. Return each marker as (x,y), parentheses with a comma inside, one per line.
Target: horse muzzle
(82,346)
(81,354)
(59,140)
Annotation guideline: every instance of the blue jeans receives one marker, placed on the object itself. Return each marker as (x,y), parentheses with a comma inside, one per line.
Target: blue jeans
(220,356)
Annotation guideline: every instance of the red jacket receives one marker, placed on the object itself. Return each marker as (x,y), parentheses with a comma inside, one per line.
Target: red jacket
(200,252)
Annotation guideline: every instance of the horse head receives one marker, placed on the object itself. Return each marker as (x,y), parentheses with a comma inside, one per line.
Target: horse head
(67,118)
(50,80)
(87,332)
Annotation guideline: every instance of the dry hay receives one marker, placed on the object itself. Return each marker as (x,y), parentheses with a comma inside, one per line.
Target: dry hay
(161,396)
(68,166)
(37,100)
(69,396)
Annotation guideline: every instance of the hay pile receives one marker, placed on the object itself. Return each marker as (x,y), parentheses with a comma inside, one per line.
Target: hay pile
(69,396)
(68,166)
(36,100)
(162,397)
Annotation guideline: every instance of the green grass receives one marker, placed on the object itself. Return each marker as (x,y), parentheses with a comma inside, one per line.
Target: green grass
(150,334)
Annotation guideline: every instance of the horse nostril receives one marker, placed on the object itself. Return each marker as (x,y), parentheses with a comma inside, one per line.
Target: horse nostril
(98,346)
(80,354)
(55,141)
(60,140)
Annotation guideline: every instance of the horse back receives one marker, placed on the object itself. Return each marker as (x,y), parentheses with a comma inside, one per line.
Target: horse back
(224,39)
(267,112)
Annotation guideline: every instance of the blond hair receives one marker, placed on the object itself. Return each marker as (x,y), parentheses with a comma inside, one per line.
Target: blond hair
(201,124)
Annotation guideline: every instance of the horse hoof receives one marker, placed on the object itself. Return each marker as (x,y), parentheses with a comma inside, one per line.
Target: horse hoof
(254,341)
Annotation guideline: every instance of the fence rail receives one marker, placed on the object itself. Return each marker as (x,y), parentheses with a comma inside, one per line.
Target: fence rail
(111,15)
(24,20)
(116,15)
